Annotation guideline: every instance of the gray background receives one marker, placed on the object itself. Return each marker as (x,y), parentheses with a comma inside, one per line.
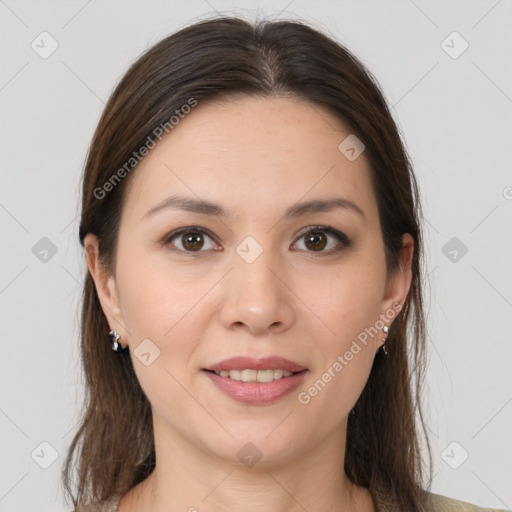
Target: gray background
(455,114)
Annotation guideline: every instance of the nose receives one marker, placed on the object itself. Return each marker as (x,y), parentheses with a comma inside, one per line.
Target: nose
(257,297)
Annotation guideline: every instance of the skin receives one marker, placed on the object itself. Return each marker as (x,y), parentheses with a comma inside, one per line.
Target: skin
(255,158)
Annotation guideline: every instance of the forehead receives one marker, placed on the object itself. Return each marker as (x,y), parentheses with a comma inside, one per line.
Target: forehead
(262,153)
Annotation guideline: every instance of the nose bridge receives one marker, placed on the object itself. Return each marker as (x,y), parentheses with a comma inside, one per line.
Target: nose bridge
(255,296)
(256,273)
(253,263)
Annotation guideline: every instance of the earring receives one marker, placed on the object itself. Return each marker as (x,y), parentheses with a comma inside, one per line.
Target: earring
(383,346)
(116,346)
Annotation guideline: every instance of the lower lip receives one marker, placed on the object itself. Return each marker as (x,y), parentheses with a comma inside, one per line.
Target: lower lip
(257,393)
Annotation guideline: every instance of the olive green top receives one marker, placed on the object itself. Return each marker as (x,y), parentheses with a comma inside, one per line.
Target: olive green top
(383,503)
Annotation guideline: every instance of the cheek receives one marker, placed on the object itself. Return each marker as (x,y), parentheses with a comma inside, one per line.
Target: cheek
(155,298)
(170,306)
(349,300)
(158,310)
(349,305)
(343,362)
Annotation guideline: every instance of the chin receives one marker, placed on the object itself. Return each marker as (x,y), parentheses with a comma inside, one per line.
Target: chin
(257,446)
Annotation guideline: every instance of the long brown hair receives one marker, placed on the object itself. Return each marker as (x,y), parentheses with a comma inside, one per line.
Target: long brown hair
(114,446)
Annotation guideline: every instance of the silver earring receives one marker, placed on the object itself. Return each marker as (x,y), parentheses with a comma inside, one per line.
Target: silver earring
(383,346)
(116,346)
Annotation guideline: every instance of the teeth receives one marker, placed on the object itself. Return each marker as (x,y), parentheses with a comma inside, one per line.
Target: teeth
(278,374)
(255,375)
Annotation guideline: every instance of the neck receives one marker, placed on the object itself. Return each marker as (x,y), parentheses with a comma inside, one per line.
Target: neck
(187,478)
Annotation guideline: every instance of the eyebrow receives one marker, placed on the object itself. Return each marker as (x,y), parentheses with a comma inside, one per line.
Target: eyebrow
(202,207)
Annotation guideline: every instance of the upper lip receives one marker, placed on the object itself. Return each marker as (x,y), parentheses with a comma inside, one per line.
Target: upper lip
(251,363)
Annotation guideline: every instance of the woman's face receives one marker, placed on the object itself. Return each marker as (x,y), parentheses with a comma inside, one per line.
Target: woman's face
(194,288)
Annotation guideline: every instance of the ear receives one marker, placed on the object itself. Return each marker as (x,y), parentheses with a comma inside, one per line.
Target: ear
(105,286)
(399,283)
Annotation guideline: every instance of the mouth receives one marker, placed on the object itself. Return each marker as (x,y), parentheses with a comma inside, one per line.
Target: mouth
(256,381)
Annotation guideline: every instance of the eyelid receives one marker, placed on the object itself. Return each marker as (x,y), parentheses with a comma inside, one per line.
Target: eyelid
(327,229)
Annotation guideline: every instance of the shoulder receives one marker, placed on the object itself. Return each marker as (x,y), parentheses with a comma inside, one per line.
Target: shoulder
(438,503)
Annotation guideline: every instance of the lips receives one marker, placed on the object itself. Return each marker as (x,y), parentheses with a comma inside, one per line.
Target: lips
(250,363)
(289,376)
(257,393)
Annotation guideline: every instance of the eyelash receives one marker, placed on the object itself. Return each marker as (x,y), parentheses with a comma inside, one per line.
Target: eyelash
(341,237)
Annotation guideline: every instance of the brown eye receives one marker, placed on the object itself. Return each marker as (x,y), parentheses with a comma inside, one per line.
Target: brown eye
(315,241)
(319,238)
(190,240)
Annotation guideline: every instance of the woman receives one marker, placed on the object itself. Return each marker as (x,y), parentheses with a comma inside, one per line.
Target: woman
(252,232)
